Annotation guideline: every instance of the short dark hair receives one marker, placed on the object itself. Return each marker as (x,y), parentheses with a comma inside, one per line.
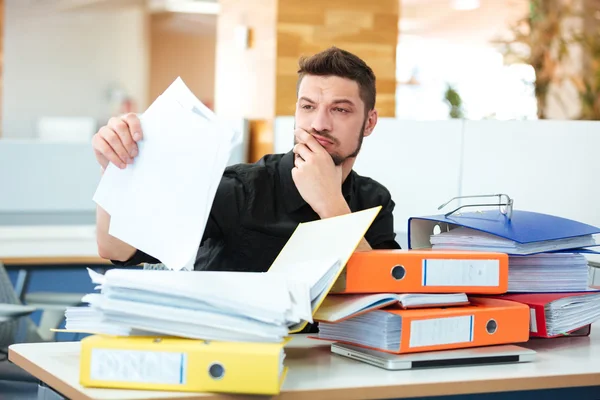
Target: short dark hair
(338,62)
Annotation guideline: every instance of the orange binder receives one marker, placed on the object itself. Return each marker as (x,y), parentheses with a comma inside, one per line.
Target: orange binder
(483,323)
(424,271)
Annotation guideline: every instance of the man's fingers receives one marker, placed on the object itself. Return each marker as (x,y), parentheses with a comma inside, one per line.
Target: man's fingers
(135,126)
(298,161)
(304,137)
(303,151)
(114,141)
(103,147)
(121,128)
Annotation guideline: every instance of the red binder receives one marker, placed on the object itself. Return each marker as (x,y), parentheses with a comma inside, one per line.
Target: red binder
(537,302)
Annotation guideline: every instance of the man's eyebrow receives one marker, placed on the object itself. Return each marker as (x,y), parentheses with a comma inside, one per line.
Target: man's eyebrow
(338,101)
(307,99)
(343,101)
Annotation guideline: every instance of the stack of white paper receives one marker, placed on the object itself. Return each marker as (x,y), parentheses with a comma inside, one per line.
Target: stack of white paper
(569,313)
(548,272)
(377,329)
(233,306)
(161,202)
(228,306)
(462,238)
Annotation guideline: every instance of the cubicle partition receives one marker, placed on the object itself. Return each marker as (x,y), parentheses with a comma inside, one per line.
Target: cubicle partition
(47,183)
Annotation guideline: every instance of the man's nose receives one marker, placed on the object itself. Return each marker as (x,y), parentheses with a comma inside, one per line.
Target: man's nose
(322,121)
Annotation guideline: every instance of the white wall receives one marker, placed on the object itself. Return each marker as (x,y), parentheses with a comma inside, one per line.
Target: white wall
(418,161)
(63,63)
(551,167)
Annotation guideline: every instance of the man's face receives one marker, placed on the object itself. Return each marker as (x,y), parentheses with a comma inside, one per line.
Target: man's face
(330,109)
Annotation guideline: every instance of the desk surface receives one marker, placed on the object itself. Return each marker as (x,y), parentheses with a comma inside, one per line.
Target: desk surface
(39,245)
(562,362)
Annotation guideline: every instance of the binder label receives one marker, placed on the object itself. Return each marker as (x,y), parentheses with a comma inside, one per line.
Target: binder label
(135,366)
(441,272)
(441,331)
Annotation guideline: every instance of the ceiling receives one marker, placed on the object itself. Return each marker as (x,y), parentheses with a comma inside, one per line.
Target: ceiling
(437,19)
(429,19)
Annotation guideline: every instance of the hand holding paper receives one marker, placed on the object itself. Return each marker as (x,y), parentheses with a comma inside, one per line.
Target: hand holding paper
(161,202)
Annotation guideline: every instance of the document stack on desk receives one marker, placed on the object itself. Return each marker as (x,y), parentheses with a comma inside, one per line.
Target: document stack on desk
(532,268)
(245,313)
(411,301)
(537,244)
(181,330)
(546,255)
(559,314)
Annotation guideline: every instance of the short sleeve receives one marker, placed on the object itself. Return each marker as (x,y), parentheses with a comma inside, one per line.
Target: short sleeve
(381,234)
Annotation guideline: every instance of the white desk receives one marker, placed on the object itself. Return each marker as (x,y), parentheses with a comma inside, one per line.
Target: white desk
(315,372)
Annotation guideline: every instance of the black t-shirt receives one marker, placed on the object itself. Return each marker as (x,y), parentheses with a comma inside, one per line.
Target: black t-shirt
(257,207)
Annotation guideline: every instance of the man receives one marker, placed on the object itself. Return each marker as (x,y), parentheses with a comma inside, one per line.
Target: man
(258,206)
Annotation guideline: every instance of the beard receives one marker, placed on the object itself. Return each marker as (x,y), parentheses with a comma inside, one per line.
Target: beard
(337,158)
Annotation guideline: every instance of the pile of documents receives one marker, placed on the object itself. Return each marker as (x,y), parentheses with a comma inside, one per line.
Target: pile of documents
(548,270)
(474,255)
(463,238)
(206,305)
(556,314)
(223,305)
(178,329)
(533,267)
(238,308)
(407,301)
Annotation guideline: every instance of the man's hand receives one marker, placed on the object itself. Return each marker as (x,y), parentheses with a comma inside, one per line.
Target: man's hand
(317,178)
(117,141)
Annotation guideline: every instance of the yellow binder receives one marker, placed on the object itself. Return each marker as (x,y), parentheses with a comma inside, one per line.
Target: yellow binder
(177,364)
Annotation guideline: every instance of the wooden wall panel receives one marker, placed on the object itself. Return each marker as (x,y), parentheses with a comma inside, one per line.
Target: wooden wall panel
(245,77)
(368,29)
(183,45)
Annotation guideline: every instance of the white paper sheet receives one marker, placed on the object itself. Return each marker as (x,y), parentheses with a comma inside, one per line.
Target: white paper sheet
(316,246)
(160,204)
(322,242)
(219,305)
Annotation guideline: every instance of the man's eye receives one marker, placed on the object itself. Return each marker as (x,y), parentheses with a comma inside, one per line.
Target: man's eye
(342,110)
(307,107)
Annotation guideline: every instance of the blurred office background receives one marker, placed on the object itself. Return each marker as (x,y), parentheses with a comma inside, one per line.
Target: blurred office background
(475,97)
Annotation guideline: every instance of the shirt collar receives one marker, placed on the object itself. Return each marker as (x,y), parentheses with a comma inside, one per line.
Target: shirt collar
(291,196)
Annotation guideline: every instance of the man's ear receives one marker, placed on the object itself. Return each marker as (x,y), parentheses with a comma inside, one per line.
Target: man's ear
(370,122)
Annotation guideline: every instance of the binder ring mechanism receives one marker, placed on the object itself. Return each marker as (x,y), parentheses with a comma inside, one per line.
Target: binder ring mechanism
(505,203)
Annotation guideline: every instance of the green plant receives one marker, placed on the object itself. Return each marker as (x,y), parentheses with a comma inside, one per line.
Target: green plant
(455,102)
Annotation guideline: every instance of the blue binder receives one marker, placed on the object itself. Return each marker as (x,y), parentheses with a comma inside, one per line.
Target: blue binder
(523,226)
